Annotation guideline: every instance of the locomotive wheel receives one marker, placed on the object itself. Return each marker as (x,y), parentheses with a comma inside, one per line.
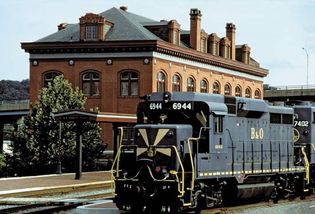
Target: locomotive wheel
(275,195)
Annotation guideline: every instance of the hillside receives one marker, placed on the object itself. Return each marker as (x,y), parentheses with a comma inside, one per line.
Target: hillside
(14,90)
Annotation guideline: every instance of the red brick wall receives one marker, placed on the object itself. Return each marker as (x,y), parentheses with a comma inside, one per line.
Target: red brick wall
(170,68)
(110,99)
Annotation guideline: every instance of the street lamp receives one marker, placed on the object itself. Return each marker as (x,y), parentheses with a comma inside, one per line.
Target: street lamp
(59,145)
(306,67)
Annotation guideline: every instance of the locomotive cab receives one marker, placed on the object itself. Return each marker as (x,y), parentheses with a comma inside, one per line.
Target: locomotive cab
(304,135)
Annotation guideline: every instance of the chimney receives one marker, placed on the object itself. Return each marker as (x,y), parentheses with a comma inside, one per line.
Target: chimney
(174,32)
(62,26)
(213,44)
(195,28)
(225,47)
(245,54)
(230,34)
(124,8)
(203,41)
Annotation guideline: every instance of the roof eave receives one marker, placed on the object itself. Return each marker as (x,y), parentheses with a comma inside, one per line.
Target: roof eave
(149,45)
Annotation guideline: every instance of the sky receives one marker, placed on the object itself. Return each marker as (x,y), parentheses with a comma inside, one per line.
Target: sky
(276,30)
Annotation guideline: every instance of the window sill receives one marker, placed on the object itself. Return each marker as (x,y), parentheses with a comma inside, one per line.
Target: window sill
(129,97)
(93,97)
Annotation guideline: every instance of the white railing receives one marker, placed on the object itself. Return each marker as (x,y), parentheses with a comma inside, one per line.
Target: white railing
(14,105)
(289,87)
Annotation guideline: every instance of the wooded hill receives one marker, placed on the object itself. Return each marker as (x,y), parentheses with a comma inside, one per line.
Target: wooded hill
(14,90)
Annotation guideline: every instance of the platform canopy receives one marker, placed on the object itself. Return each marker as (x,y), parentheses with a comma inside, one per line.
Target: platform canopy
(101,117)
(79,117)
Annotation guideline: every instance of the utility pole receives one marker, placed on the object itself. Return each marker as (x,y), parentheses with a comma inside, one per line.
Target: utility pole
(306,66)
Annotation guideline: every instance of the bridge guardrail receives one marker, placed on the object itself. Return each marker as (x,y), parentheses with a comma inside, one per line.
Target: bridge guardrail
(14,105)
(288,87)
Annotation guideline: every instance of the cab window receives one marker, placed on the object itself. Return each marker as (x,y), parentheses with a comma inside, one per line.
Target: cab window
(218,124)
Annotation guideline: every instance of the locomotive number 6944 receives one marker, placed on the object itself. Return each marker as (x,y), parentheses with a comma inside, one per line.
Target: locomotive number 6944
(192,151)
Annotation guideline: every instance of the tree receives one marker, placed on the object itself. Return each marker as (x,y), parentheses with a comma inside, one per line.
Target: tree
(2,161)
(37,144)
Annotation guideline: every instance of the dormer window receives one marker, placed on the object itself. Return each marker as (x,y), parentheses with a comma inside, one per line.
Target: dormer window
(91,32)
(93,27)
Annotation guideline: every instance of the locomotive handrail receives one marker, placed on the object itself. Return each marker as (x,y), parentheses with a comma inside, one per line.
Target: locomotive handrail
(117,158)
(192,163)
(228,130)
(191,158)
(307,166)
(182,189)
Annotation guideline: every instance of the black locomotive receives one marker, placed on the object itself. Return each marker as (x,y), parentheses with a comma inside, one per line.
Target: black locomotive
(197,151)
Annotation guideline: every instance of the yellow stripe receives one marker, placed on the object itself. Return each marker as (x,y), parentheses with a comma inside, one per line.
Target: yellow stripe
(144,135)
(161,133)
(141,150)
(165,151)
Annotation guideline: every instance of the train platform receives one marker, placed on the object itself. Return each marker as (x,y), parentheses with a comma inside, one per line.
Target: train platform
(24,186)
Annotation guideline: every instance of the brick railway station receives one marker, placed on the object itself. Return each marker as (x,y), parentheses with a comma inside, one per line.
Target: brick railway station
(117,56)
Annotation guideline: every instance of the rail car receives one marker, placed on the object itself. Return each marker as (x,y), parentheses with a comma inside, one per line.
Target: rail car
(193,151)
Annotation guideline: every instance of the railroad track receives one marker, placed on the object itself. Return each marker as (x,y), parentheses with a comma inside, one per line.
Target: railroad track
(54,199)
(308,203)
(56,203)
(40,208)
(41,191)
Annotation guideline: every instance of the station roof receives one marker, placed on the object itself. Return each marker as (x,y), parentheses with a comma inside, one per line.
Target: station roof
(7,116)
(127,26)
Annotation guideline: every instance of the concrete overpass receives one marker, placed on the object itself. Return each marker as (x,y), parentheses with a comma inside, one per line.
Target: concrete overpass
(289,93)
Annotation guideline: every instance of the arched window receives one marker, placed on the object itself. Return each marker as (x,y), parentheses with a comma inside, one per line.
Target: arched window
(227,89)
(176,83)
(91,83)
(248,93)
(216,88)
(257,94)
(160,82)
(49,76)
(129,83)
(203,86)
(191,84)
(238,91)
